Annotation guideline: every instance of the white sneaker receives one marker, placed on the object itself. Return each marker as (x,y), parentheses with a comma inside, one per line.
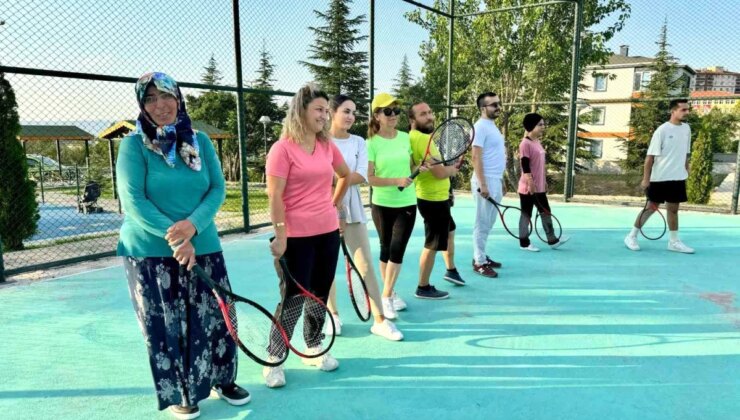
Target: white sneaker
(563,239)
(325,362)
(387,329)
(678,246)
(274,376)
(631,242)
(398,303)
(530,248)
(388,310)
(337,325)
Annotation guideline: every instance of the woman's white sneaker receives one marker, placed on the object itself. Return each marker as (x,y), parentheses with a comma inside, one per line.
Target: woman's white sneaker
(398,303)
(325,362)
(530,248)
(274,376)
(388,310)
(387,329)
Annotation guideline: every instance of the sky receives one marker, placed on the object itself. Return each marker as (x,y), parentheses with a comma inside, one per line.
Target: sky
(130,37)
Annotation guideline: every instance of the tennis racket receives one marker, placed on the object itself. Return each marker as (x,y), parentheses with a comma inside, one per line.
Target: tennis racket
(652,228)
(304,313)
(356,285)
(251,326)
(511,217)
(540,223)
(447,143)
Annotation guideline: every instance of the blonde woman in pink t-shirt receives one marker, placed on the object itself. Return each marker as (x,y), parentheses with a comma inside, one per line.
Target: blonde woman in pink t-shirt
(306,211)
(533,183)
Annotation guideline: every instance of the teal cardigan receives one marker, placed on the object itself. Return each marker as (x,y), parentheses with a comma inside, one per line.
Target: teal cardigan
(154,197)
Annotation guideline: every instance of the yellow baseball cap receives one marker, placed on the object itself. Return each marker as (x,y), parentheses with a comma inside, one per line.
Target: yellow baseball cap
(382,100)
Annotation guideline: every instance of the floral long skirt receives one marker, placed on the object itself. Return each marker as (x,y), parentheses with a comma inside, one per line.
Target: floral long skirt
(189,348)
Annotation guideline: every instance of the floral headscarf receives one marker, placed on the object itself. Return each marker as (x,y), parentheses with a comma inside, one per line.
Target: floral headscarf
(164,140)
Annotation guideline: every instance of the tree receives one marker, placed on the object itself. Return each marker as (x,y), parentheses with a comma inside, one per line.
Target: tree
(212,75)
(700,183)
(340,68)
(531,63)
(19,213)
(259,104)
(647,116)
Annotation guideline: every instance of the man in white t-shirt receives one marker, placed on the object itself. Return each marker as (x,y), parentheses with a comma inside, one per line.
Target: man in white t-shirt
(666,170)
(489,163)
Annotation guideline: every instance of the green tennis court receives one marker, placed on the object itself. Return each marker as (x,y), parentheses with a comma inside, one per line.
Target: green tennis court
(591,330)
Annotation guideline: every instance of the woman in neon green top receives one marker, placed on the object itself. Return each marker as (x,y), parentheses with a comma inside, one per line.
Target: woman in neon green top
(171,186)
(393,211)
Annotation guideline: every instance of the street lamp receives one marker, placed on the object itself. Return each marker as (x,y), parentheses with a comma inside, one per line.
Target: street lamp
(265,120)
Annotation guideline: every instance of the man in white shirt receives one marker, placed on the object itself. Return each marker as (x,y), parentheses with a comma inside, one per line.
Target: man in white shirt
(489,163)
(666,170)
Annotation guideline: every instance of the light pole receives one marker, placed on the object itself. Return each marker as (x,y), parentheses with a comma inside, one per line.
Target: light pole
(265,120)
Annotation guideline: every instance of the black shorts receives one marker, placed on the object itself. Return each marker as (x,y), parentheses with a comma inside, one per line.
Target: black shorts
(438,223)
(667,191)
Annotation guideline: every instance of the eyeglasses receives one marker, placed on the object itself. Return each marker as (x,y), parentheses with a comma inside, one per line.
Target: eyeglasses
(153,99)
(388,111)
(493,105)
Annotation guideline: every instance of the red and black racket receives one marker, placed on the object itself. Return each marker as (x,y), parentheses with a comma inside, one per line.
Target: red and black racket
(511,217)
(302,315)
(356,285)
(539,223)
(447,143)
(652,228)
(251,326)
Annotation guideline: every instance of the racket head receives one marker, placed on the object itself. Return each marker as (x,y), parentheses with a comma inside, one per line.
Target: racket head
(304,318)
(511,218)
(254,330)
(356,285)
(653,225)
(452,139)
(539,228)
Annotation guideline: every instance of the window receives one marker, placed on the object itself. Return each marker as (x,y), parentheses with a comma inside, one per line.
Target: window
(596,147)
(600,83)
(597,115)
(641,80)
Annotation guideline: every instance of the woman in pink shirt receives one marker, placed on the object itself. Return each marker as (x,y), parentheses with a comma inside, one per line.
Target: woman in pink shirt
(305,213)
(533,183)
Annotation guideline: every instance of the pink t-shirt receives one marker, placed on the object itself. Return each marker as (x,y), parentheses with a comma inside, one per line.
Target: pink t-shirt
(308,188)
(536,153)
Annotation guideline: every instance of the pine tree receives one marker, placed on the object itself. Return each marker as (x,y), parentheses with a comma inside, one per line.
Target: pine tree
(259,136)
(340,68)
(403,82)
(700,183)
(18,208)
(212,75)
(647,116)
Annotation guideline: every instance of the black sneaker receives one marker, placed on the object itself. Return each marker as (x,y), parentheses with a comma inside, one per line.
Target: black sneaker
(490,262)
(454,277)
(232,394)
(430,292)
(185,413)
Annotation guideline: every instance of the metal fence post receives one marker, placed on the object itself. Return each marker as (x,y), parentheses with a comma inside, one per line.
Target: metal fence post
(450,57)
(573,112)
(736,189)
(241,117)
(2,265)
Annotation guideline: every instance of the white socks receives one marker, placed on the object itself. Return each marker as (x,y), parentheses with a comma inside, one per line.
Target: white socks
(634,232)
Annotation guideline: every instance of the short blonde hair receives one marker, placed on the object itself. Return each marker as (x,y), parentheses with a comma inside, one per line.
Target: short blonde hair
(294,125)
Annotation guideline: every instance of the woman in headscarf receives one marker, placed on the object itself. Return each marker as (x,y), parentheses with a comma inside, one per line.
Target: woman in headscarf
(171,186)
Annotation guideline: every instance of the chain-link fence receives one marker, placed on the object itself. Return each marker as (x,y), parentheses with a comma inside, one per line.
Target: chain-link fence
(72,68)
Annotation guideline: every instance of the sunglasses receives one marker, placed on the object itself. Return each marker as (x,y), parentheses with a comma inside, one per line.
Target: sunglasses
(493,105)
(391,111)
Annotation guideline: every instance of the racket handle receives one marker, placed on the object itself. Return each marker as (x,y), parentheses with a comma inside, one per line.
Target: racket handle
(412,176)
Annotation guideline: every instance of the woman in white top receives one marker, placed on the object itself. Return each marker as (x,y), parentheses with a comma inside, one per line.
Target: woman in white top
(354,151)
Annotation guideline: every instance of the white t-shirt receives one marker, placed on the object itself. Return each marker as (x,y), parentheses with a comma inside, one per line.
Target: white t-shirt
(354,152)
(489,138)
(670,145)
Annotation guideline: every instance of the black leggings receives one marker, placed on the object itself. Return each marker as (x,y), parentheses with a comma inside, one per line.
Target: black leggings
(394,227)
(528,202)
(312,261)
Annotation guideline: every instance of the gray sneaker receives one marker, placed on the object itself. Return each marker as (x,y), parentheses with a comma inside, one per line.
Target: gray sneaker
(430,292)
(454,277)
